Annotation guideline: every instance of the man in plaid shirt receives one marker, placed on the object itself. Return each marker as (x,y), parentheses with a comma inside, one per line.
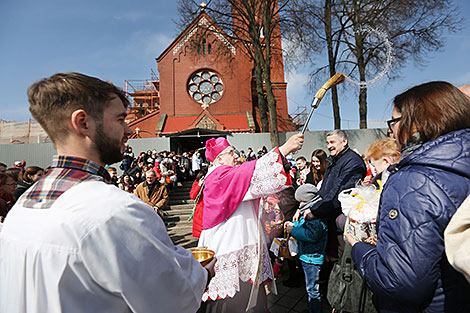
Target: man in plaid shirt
(74,242)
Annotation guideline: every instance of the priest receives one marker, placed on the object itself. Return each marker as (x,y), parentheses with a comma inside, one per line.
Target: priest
(231,225)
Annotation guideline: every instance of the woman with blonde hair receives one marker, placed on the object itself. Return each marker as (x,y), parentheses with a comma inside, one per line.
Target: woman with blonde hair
(382,154)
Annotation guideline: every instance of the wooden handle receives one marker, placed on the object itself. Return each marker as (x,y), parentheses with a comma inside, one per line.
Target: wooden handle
(338,78)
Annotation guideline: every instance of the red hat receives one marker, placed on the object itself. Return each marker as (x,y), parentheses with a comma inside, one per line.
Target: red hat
(215,146)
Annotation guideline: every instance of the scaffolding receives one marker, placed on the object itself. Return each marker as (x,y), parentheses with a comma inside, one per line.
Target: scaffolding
(300,116)
(144,96)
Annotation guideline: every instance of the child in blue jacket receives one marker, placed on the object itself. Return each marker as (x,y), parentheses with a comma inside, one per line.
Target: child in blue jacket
(311,234)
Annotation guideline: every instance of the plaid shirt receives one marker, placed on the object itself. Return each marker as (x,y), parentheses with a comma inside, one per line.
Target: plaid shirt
(66,172)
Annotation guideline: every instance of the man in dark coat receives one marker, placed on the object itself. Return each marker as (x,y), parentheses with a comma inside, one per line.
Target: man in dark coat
(345,168)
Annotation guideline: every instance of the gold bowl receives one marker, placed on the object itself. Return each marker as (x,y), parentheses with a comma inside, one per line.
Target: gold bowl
(202,255)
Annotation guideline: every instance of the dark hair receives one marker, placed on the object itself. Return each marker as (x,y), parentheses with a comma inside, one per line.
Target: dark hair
(3,164)
(199,176)
(318,174)
(29,171)
(52,100)
(121,179)
(13,172)
(202,173)
(4,177)
(432,109)
(301,158)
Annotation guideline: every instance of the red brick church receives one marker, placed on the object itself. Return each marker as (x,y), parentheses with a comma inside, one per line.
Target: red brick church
(205,84)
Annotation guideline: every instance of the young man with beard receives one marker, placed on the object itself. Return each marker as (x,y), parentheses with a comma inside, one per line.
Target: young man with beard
(75,243)
(112,171)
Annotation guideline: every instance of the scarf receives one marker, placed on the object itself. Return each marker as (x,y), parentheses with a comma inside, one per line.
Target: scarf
(410,145)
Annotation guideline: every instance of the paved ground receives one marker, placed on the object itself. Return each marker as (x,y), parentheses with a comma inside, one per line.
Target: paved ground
(288,300)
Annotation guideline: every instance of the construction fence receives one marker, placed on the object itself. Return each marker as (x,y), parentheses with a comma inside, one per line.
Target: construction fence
(24,132)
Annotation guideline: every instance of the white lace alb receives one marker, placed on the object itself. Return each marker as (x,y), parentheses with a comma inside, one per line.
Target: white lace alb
(233,267)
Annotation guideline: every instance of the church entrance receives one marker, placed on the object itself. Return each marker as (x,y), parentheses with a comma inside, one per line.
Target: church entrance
(193,139)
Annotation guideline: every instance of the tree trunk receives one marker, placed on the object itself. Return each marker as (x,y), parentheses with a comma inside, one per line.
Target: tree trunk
(267,24)
(263,114)
(332,63)
(272,114)
(361,66)
(363,107)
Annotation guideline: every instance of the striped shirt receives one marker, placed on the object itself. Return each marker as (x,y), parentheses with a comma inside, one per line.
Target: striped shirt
(65,172)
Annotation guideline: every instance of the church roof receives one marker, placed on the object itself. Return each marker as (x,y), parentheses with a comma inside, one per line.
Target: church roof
(202,20)
(230,122)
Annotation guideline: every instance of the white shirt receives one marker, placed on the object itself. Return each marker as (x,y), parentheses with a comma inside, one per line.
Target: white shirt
(196,162)
(96,249)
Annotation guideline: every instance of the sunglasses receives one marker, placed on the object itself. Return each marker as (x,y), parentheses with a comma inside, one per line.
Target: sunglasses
(392,122)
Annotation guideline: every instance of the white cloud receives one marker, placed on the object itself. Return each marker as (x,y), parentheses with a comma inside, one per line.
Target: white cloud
(297,91)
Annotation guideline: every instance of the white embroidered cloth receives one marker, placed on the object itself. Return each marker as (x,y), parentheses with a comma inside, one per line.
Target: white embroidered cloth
(235,241)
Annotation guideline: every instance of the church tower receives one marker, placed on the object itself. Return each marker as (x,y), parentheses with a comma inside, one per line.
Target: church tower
(205,82)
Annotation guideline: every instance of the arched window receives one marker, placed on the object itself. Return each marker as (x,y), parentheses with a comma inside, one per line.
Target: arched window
(209,48)
(203,46)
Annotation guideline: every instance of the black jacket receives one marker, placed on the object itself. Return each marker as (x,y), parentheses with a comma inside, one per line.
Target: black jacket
(342,172)
(21,187)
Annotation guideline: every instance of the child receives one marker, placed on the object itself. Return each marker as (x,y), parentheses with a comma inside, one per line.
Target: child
(311,235)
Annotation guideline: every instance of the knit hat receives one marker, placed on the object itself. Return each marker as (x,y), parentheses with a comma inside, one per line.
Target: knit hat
(307,195)
(214,147)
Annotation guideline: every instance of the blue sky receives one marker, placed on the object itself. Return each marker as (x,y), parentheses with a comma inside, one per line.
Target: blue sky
(119,40)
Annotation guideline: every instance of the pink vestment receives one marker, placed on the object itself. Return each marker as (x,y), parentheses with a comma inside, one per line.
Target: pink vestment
(232,228)
(224,190)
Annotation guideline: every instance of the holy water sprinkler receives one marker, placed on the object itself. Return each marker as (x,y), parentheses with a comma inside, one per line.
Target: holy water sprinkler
(338,78)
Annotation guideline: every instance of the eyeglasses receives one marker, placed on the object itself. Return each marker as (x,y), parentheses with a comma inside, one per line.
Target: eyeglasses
(231,153)
(392,123)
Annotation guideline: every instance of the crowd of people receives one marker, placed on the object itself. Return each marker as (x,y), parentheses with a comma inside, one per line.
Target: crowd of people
(375,233)
(139,174)
(370,228)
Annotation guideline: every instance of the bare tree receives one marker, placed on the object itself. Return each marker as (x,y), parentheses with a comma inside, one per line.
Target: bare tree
(355,33)
(310,26)
(253,25)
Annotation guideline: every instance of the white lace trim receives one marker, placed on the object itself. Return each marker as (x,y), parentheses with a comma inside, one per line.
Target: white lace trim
(235,266)
(267,177)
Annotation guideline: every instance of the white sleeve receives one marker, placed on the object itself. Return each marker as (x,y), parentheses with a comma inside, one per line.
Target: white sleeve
(268,177)
(131,255)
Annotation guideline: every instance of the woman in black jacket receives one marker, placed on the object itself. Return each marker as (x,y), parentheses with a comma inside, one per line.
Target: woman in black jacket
(26,179)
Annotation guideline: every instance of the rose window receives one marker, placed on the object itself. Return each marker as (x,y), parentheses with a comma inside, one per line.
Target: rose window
(205,87)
